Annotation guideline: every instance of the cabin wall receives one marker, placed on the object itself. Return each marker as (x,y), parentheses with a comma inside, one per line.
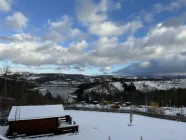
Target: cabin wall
(33,127)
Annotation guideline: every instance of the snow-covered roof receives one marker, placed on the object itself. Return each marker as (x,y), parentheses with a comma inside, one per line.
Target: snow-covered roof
(35,112)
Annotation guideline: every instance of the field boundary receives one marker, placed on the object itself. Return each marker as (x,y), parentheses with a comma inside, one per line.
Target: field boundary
(161,116)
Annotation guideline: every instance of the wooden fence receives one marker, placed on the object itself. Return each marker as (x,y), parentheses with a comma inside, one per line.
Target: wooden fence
(161,116)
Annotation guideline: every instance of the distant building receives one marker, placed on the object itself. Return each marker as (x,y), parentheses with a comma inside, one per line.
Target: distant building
(35,120)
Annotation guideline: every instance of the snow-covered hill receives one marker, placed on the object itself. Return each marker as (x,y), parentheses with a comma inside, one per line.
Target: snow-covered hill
(144,86)
(98,89)
(110,88)
(117,85)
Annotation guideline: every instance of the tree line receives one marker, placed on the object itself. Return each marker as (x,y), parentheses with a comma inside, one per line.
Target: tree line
(19,93)
(170,97)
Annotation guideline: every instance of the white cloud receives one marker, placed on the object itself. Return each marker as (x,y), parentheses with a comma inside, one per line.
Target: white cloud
(61,25)
(145,64)
(61,30)
(17,21)
(104,69)
(94,17)
(89,12)
(176,20)
(117,5)
(105,29)
(36,53)
(55,36)
(172,6)
(5,5)
(181,35)
(161,50)
(19,38)
(161,43)
(112,29)
(78,47)
(107,68)
(148,16)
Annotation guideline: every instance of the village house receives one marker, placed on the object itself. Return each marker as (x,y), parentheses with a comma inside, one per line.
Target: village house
(37,120)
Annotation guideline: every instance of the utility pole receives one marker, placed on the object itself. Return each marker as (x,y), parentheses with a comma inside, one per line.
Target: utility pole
(146,100)
(5,85)
(170,102)
(47,96)
(181,110)
(162,99)
(102,84)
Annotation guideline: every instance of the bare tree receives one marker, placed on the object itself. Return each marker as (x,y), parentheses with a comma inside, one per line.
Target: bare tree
(5,71)
(4,100)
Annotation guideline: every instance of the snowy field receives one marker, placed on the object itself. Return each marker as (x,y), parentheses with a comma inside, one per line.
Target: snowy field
(100,125)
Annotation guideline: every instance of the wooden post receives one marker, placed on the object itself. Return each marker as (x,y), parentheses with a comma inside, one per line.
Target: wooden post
(141,138)
(109,138)
(131,118)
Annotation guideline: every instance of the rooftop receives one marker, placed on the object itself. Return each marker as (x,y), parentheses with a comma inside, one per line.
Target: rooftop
(36,112)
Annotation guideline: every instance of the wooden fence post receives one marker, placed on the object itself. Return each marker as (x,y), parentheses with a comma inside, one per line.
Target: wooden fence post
(109,138)
(141,138)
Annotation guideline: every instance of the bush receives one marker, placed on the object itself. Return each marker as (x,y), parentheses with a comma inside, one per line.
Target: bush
(155,110)
(154,104)
(115,106)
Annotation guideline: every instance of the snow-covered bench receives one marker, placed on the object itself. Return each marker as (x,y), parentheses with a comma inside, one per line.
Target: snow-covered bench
(3,138)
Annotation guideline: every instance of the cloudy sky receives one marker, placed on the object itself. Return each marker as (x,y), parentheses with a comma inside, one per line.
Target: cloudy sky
(129,37)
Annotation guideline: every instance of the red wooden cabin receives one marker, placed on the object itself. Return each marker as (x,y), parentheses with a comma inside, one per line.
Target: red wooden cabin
(36,120)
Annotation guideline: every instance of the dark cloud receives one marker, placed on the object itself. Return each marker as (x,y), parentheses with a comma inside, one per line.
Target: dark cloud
(105,73)
(79,68)
(183,53)
(62,68)
(155,67)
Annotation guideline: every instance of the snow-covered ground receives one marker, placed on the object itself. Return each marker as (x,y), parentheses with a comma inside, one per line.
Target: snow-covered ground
(33,77)
(117,85)
(3,129)
(98,89)
(100,125)
(112,88)
(173,111)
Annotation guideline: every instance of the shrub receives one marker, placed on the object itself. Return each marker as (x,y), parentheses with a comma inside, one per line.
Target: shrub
(155,110)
